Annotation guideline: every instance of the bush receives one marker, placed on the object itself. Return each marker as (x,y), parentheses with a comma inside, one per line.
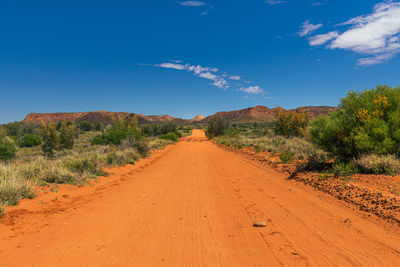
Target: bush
(30,140)
(216,126)
(286,156)
(290,123)
(141,146)
(170,136)
(19,129)
(85,126)
(386,164)
(367,123)
(51,139)
(8,148)
(67,135)
(121,129)
(159,129)
(344,169)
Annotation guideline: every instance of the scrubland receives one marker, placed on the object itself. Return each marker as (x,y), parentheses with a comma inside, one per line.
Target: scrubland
(70,153)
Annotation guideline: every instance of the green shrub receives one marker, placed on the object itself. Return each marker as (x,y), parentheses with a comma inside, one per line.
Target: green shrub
(19,129)
(367,123)
(216,126)
(170,136)
(30,140)
(290,123)
(67,136)
(344,169)
(141,146)
(286,156)
(51,139)
(8,148)
(85,126)
(385,164)
(121,129)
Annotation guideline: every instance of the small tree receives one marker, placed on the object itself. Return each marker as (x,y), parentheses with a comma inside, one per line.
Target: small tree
(367,123)
(8,148)
(122,128)
(51,139)
(290,123)
(85,126)
(30,140)
(216,126)
(67,135)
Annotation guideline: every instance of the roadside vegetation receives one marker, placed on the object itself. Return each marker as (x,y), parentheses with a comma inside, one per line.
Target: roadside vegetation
(363,136)
(73,153)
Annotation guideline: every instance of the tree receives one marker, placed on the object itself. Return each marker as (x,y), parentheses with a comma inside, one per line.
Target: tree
(30,140)
(51,139)
(85,126)
(290,123)
(67,135)
(216,126)
(367,122)
(122,128)
(8,147)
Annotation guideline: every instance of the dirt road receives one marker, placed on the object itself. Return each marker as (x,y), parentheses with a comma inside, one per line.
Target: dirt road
(193,204)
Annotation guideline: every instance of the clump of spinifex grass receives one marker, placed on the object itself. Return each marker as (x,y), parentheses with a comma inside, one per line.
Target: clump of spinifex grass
(375,164)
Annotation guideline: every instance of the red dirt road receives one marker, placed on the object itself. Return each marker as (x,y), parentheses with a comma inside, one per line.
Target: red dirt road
(193,204)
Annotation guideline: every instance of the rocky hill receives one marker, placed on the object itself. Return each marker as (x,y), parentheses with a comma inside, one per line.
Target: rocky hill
(248,115)
(265,114)
(92,116)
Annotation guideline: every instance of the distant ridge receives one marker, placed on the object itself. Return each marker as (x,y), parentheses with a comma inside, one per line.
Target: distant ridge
(248,115)
(265,114)
(91,116)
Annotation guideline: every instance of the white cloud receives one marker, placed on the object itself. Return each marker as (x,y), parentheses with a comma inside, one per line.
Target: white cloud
(192,3)
(308,28)
(219,78)
(234,77)
(171,66)
(375,35)
(255,90)
(275,2)
(198,70)
(321,39)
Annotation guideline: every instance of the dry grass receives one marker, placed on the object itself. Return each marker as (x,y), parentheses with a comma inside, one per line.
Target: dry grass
(266,141)
(385,164)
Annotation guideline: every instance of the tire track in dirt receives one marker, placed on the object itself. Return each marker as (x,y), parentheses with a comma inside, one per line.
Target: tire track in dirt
(193,205)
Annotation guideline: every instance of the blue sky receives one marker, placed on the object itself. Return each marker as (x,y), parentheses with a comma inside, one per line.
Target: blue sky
(185,58)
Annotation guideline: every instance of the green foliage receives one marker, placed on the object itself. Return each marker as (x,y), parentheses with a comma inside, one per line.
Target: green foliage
(85,126)
(30,140)
(290,123)
(8,148)
(67,135)
(98,126)
(367,123)
(122,128)
(19,129)
(216,126)
(344,169)
(51,139)
(170,136)
(286,156)
(156,129)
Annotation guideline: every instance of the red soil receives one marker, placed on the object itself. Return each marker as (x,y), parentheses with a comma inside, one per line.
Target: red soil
(193,204)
